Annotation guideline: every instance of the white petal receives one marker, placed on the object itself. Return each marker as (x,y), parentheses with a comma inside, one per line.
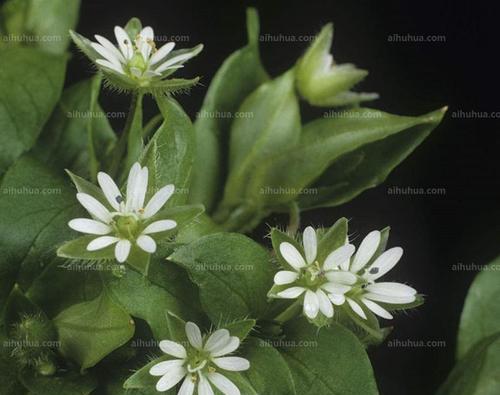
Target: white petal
(325,305)
(158,200)
(339,256)
(285,277)
(291,293)
(337,299)
(163,367)
(310,242)
(234,364)
(193,334)
(94,207)
(340,277)
(108,55)
(170,379)
(122,250)
(101,242)
(376,309)
(132,182)
(109,65)
(172,348)
(292,255)
(204,387)
(146,38)
(124,42)
(335,288)
(311,304)
(356,308)
(140,189)
(89,226)
(390,299)
(217,340)
(160,226)
(223,384)
(231,346)
(172,61)
(147,33)
(161,53)
(391,289)
(110,47)
(365,251)
(146,243)
(110,190)
(383,263)
(187,387)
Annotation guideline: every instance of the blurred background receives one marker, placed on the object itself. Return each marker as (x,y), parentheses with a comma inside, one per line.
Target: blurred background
(442,203)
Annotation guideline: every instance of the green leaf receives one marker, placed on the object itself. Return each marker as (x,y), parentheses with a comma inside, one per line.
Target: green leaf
(334,238)
(141,379)
(273,128)
(240,74)
(326,141)
(30,83)
(35,207)
(232,272)
(45,23)
(70,383)
(170,151)
(481,312)
(63,143)
(89,331)
(330,361)
(278,237)
(8,376)
(477,372)
(167,289)
(239,328)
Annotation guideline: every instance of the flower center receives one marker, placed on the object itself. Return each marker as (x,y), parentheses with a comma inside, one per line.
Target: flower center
(126,226)
(138,62)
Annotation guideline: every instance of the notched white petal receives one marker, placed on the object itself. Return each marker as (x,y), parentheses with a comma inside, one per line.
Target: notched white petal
(292,255)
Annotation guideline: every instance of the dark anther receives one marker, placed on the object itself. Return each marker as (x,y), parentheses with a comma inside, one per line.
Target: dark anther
(374,270)
(119,199)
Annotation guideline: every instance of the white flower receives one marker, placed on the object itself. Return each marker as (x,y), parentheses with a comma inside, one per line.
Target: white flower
(130,220)
(370,292)
(323,285)
(199,365)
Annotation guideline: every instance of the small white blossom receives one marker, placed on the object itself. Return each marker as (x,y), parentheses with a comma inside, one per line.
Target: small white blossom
(129,222)
(200,364)
(369,292)
(321,282)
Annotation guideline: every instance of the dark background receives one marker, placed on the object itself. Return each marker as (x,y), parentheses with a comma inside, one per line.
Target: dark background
(436,231)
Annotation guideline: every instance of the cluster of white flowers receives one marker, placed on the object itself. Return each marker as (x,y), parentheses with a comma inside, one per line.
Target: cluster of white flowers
(342,277)
(127,221)
(200,364)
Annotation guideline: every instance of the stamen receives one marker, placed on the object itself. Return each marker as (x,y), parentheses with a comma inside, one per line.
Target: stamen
(211,369)
(374,270)
(194,378)
(141,211)
(119,199)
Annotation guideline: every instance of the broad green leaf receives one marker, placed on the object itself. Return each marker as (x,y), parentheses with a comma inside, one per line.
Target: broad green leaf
(89,331)
(77,249)
(326,141)
(35,207)
(477,372)
(8,376)
(273,128)
(30,83)
(329,361)
(481,312)
(142,380)
(41,23)
(239,75)
(167,289)
(68,383)
(78,135)
(170,151)
(232,272)
(239,328)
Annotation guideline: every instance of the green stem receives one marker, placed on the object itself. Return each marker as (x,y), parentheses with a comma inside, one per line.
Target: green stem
(152,124)
(290,312)
(294,218)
